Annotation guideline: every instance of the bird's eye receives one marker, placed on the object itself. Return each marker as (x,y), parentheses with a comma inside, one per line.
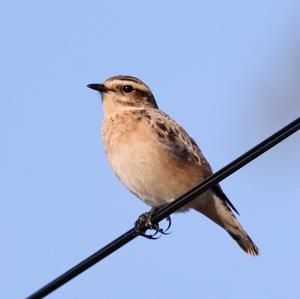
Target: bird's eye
(128,89)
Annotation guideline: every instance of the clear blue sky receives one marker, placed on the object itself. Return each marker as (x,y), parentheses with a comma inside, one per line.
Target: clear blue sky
(228,71)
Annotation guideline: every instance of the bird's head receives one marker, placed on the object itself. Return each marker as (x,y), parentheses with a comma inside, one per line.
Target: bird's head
(121,92)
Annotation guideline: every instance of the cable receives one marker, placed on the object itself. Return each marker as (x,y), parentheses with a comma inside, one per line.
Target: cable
(170,208)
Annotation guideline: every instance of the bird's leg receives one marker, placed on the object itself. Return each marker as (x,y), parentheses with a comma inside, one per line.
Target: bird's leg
(144,223)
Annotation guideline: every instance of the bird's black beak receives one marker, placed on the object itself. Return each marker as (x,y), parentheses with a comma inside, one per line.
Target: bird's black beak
(98,86)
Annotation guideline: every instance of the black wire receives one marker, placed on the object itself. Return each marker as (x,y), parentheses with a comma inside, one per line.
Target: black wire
(170,208)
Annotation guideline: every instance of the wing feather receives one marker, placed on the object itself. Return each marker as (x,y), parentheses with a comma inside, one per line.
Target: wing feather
(178,142)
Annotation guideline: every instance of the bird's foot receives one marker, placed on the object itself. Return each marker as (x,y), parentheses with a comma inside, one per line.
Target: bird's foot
(144,223)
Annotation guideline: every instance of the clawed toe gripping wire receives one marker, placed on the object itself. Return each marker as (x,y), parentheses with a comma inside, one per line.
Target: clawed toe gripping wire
(145,223)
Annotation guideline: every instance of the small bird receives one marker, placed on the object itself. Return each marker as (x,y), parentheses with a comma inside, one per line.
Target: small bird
(155,158)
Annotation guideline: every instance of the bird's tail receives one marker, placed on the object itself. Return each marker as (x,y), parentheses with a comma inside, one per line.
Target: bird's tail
(243,239)
(218,211)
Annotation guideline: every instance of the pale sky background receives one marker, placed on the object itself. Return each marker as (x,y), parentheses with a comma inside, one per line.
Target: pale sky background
(227,71)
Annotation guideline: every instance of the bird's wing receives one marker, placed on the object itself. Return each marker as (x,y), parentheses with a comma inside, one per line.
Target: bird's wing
(219,192)
(178,142)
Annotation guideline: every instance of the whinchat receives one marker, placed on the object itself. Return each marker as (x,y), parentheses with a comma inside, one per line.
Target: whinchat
(155,158)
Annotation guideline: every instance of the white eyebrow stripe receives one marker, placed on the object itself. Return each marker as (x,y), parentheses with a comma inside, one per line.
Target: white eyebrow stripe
(127,78)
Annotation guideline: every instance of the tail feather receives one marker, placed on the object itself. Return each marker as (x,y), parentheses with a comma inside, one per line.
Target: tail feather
(218,211)
(245,242)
